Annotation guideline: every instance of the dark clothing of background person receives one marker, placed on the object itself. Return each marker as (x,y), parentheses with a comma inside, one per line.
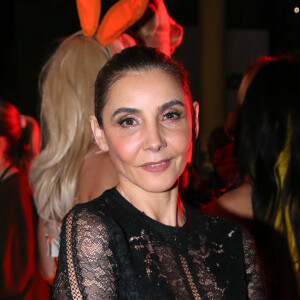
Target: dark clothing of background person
(20,276)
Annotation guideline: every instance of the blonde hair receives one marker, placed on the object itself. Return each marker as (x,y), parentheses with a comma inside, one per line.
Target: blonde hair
(67,89)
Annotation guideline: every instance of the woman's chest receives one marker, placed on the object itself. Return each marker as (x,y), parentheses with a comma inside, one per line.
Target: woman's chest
(180,267)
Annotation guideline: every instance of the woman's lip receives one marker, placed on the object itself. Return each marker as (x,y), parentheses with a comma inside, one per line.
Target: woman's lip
(156,166)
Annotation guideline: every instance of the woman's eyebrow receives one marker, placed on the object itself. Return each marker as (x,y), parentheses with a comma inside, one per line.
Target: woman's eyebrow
(170,104)
(125,110)
(135,110)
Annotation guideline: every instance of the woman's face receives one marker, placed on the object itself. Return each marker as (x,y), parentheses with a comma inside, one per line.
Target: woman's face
(147,128)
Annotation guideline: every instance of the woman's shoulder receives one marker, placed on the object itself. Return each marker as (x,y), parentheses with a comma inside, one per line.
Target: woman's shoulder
(238,201)
(95,221)
(235,205)
(97,210)
(93,181)
(229,236)
(216,227)
(209,221)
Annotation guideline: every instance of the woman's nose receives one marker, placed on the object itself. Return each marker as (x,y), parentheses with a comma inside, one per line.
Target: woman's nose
(154,138)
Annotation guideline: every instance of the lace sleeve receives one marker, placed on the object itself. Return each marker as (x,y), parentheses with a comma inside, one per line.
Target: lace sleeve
(253,274)
(84,269)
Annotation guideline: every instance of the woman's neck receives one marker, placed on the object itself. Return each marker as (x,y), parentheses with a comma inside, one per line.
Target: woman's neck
(165,207)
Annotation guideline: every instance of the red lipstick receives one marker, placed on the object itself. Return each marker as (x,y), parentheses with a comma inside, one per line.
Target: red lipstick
(158,166)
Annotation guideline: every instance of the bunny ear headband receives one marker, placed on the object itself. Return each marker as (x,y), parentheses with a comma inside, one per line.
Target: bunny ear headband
(117,19)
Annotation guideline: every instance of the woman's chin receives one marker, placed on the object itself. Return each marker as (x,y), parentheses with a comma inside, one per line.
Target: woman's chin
(159,187)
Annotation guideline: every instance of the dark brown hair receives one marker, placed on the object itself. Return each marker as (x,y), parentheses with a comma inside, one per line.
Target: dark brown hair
(133,59)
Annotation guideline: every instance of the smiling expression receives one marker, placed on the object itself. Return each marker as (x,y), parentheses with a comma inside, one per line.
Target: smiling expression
(147,128)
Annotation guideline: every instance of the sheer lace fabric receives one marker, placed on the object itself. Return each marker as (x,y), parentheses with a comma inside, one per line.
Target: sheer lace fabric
(110,250)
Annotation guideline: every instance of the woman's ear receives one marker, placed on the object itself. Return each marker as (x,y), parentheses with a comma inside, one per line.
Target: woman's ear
(195,120)
(99,134)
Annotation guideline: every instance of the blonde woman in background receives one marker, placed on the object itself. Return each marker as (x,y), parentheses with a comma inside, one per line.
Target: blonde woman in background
(69,162)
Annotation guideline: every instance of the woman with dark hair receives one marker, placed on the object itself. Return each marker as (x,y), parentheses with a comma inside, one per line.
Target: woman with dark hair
(138,240)
(14,139)
(267,145)
(20,276)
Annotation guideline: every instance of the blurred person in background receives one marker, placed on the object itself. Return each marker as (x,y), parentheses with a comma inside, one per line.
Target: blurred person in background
(20,276)
(267,147)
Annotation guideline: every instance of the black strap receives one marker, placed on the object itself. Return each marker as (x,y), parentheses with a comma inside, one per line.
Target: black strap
(5,172)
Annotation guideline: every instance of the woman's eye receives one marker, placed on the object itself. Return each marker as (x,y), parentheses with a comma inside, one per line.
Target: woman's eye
(128,122)
(172,115)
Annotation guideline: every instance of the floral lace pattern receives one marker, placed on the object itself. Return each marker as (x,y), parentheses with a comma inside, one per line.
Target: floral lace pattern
(110,250)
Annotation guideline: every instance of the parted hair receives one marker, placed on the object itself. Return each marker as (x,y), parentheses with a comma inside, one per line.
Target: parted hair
(67,96)
(135,59)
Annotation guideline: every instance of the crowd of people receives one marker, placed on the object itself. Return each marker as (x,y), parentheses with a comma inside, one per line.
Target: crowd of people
(95,199)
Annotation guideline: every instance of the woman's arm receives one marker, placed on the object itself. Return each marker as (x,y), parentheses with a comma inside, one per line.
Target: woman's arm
(48,263)
(84,270)
(252,268)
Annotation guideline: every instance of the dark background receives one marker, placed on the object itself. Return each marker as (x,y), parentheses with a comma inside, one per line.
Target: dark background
(31,30)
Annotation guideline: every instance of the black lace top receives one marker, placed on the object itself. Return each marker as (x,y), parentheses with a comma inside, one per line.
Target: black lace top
(111,250)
